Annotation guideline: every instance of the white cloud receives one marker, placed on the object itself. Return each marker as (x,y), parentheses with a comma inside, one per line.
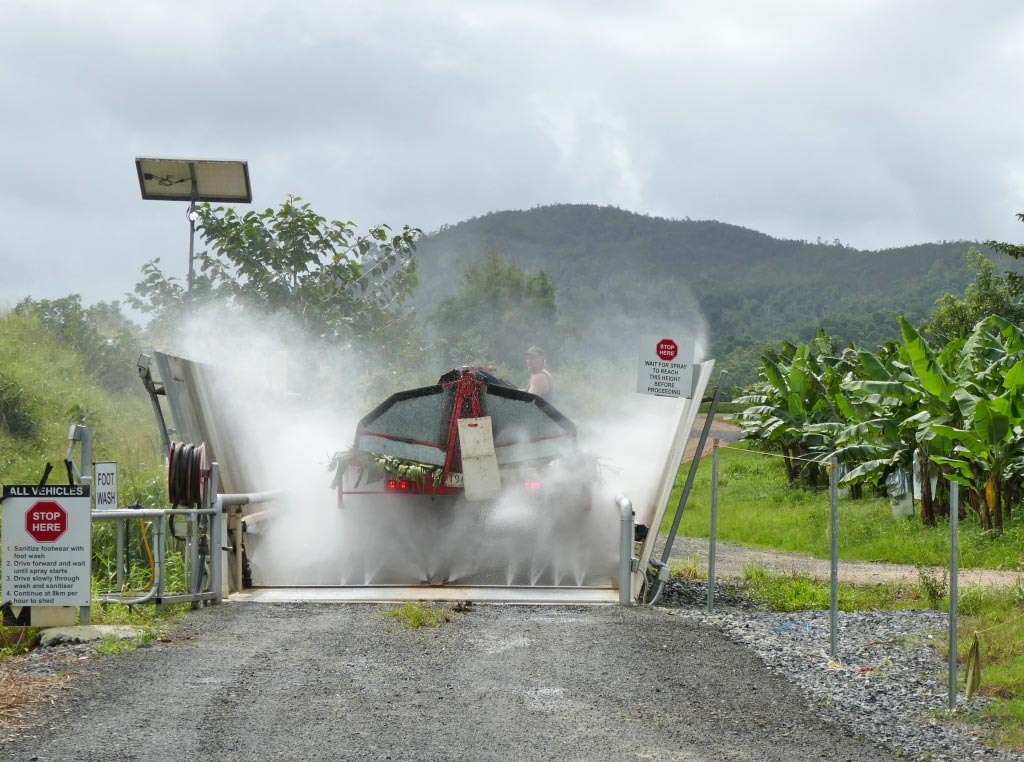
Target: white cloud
(876,123)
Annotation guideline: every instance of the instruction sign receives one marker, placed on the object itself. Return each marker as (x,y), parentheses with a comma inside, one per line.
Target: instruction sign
(47,540)
(104,485)
(666,366)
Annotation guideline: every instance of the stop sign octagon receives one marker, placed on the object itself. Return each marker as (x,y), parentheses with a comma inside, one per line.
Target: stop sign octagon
(46,521)
(667,350)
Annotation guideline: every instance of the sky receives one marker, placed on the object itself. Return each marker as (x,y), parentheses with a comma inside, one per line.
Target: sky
(880,123)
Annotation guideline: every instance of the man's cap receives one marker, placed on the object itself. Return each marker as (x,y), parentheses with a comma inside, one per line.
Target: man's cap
(535,351)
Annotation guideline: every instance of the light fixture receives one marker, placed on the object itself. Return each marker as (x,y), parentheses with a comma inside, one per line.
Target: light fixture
(194,180)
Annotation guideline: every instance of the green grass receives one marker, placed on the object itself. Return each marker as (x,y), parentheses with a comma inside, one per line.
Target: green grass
(723,407)
(416,615)
(801,592)
(756,507)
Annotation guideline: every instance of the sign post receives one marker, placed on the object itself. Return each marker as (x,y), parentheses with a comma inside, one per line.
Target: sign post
(666,366)
(47,541)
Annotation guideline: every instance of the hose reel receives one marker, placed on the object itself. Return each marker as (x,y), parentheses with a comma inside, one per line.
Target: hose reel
(186,466)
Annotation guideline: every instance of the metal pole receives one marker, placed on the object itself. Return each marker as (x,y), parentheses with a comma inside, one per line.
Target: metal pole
(217,520)
(85,476)
(192,226)
(625,550)
(954,548)
(121,525)
(160,544)
(833,617)
(713,536)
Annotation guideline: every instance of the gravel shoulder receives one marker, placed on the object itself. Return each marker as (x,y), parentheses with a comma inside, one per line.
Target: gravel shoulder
(304,681)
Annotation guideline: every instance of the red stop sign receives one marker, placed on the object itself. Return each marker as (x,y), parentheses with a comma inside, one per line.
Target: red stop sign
(667,350)
(46,521)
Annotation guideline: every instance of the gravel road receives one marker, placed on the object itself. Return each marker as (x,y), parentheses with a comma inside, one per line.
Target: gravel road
(312,681)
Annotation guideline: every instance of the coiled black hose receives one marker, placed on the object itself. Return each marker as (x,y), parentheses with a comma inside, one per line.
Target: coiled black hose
(185,474)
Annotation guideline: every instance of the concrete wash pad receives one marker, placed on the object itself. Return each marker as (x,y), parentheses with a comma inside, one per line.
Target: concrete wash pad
(299,681)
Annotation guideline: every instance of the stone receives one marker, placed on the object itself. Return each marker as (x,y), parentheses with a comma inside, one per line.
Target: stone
(87,633)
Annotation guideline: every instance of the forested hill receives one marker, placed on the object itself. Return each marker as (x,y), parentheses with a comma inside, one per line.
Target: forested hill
(751,287)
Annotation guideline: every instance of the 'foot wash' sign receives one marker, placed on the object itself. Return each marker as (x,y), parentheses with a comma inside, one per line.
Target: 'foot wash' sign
(47,540)
(666,366)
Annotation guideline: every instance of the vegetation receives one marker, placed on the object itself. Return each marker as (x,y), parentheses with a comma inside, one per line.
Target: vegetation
(801,592)
(416,615)
(759,507)
(498,304)
(952,410)
(336,284)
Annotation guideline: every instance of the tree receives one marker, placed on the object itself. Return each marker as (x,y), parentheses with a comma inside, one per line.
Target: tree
(500,310)
(1014,280)
(337,284)
(988,294)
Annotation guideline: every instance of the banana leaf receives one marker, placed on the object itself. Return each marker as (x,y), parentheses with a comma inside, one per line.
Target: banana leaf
(973,677)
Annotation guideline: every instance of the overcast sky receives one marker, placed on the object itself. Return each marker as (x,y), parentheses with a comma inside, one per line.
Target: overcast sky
(879,123)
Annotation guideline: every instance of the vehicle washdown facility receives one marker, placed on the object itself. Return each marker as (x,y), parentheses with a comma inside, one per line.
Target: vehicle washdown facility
(469,489)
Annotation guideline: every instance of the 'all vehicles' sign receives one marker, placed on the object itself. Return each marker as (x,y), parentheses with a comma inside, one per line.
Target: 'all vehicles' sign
(666,366)
(47,538)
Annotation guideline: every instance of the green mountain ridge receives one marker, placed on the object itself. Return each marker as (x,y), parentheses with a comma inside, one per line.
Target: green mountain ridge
(752,288)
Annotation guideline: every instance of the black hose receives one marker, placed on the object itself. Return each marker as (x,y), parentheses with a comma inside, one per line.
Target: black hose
(184,481)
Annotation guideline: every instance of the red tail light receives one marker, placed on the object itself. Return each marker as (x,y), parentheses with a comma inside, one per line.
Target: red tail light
(532,485)
(399,485)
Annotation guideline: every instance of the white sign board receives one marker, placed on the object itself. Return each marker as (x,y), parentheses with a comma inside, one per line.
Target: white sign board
(47,542)
(104,486)
(666,366)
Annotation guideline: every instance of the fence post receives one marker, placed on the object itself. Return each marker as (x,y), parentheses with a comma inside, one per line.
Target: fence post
(833,617)
(954,548)
(712,537)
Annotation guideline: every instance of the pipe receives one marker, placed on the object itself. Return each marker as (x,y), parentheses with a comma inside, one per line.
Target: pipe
(249,498)
(626,533)
(663,575)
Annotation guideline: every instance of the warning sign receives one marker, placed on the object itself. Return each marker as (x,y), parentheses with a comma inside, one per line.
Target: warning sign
(666,366)
(47,539)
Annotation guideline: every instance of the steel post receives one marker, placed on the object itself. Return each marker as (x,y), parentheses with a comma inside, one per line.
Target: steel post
(713,534)
(159,548)
(626,533)
(217,534)
(954,563)
(833,616)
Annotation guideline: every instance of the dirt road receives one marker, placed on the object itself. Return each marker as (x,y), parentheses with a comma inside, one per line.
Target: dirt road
(323,681)
(730,561)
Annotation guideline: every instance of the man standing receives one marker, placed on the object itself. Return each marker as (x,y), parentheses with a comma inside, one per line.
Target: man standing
(541,382)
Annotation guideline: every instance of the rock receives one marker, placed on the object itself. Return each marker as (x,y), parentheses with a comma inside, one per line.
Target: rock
(87,633)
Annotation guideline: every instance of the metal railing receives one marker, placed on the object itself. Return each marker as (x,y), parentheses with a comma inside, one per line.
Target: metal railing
(157,593)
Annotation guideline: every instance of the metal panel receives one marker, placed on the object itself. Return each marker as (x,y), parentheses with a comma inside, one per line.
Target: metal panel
(687,415)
